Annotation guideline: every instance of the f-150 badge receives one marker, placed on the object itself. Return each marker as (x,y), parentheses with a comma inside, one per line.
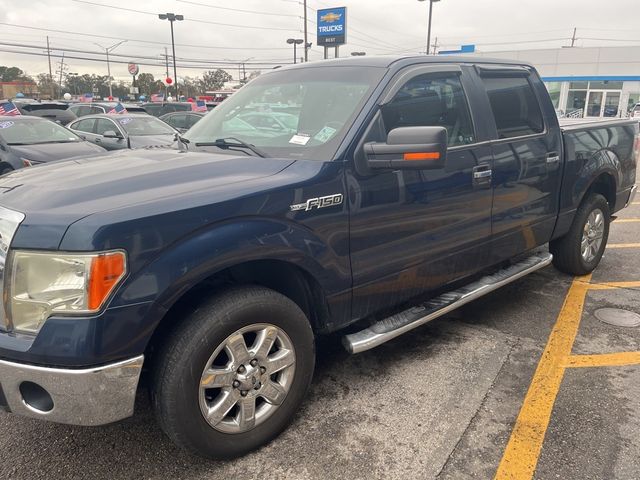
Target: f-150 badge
(318,202)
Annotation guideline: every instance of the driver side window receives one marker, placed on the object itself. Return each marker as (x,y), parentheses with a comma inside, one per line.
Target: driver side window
(431,101)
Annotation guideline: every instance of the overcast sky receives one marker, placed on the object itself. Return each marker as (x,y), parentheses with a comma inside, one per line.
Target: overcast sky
(225,34)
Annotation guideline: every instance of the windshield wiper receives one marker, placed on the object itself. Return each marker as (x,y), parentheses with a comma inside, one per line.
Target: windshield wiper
(224,144)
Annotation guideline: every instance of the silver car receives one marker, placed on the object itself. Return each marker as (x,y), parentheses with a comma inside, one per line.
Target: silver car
(129,130)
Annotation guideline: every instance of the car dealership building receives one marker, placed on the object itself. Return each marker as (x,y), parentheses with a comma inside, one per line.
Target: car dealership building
(583,81)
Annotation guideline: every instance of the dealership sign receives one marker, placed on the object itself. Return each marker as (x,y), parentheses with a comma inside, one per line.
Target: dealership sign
(133,69)
(332,26)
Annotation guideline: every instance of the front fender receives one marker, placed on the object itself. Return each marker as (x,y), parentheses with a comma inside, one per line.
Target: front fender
(187,262)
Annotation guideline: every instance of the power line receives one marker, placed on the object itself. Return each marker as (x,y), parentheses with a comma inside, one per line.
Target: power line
(139,40)
(132,56)
(159,64)
(237,9)
(186,19)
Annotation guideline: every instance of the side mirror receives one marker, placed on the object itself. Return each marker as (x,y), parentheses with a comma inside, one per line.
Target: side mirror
(409,148)
(111,134)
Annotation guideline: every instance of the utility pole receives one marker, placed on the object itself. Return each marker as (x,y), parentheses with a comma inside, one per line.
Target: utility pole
(63,67)
(166,63)
(306,39)
(244,74)
(573,39)
(51,92)
(435,46)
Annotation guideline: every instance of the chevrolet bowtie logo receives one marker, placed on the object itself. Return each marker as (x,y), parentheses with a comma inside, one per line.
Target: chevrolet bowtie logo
(331,17)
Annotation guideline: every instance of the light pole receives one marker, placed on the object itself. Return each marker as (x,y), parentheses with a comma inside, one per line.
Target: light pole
(172,17)
(431,2)
(107,50)
(295,42)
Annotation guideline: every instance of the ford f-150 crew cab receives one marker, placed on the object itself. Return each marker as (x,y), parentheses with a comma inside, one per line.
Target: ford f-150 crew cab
(402,189)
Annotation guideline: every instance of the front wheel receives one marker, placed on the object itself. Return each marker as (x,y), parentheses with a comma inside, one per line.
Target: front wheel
(232,376)
(580,250)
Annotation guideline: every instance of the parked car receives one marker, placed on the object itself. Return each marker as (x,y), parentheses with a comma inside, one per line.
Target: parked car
(84,109)
(28,141)
(182,121)
(57,111)
(115,132)
(157,109)
(411,187)
(273,121)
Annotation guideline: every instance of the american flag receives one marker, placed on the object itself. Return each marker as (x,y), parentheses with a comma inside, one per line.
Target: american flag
(157,97)
(119,108)
(8,108)
(199,106)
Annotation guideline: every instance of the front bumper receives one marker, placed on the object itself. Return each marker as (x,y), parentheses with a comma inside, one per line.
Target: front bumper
(92,396)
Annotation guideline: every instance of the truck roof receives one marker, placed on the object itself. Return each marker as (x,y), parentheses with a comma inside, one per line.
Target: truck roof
(387,61)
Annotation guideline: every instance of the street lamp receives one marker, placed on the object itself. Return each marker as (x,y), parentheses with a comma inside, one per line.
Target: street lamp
(107,50)
(295,42)
(431,2)
(172,17)
(358,54)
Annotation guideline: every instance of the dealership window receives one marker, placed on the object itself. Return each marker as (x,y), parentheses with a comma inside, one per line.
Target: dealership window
(514,106)
(605,85)
(634,97)
(554,92)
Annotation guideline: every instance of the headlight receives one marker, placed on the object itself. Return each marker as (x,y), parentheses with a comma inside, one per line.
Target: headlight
(43,284)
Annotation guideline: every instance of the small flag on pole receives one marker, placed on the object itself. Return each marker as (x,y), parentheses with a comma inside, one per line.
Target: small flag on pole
(157,97)
(199,106)
(119,108)
(9,108)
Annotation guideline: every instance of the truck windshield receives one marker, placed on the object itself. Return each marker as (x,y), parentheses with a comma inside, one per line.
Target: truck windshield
(299,113)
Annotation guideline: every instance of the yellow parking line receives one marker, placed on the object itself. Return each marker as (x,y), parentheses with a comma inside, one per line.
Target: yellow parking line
(623,245)
(635,203)
(610,285)
(603,360)
(626,220)
(521,455)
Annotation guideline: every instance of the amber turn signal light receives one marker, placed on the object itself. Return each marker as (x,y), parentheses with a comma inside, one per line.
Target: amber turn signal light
(106,272)
(422,156)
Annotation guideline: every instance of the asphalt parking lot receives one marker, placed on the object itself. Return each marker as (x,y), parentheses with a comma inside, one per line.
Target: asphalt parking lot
(524,383)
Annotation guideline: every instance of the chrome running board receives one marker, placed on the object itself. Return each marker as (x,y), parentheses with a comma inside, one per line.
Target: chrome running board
(394,326)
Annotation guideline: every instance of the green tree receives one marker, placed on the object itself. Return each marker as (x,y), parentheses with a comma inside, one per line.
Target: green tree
(213,80)
(46,86)
(13,74)
(147,84)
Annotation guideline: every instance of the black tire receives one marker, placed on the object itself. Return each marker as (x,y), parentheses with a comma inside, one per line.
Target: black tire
(177,372)
(566,250)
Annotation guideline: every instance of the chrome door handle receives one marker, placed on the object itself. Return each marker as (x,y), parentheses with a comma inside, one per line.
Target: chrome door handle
(553,157)
(482,174)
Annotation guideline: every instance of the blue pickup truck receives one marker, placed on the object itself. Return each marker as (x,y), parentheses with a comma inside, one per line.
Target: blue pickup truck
(408,187)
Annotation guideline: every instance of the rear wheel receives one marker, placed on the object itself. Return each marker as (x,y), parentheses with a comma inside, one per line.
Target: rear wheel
(232,376)
(581,249)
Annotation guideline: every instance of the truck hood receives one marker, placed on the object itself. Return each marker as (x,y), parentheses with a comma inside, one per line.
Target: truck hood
(48,152)
(55,195)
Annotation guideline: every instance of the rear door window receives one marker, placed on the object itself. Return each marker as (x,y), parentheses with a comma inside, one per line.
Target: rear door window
(514,105)
(84,125)
(432,100)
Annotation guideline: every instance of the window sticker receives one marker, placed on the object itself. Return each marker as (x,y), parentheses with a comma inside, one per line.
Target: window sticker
(124,121)
(325,134)
(300,139)
(6,124)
